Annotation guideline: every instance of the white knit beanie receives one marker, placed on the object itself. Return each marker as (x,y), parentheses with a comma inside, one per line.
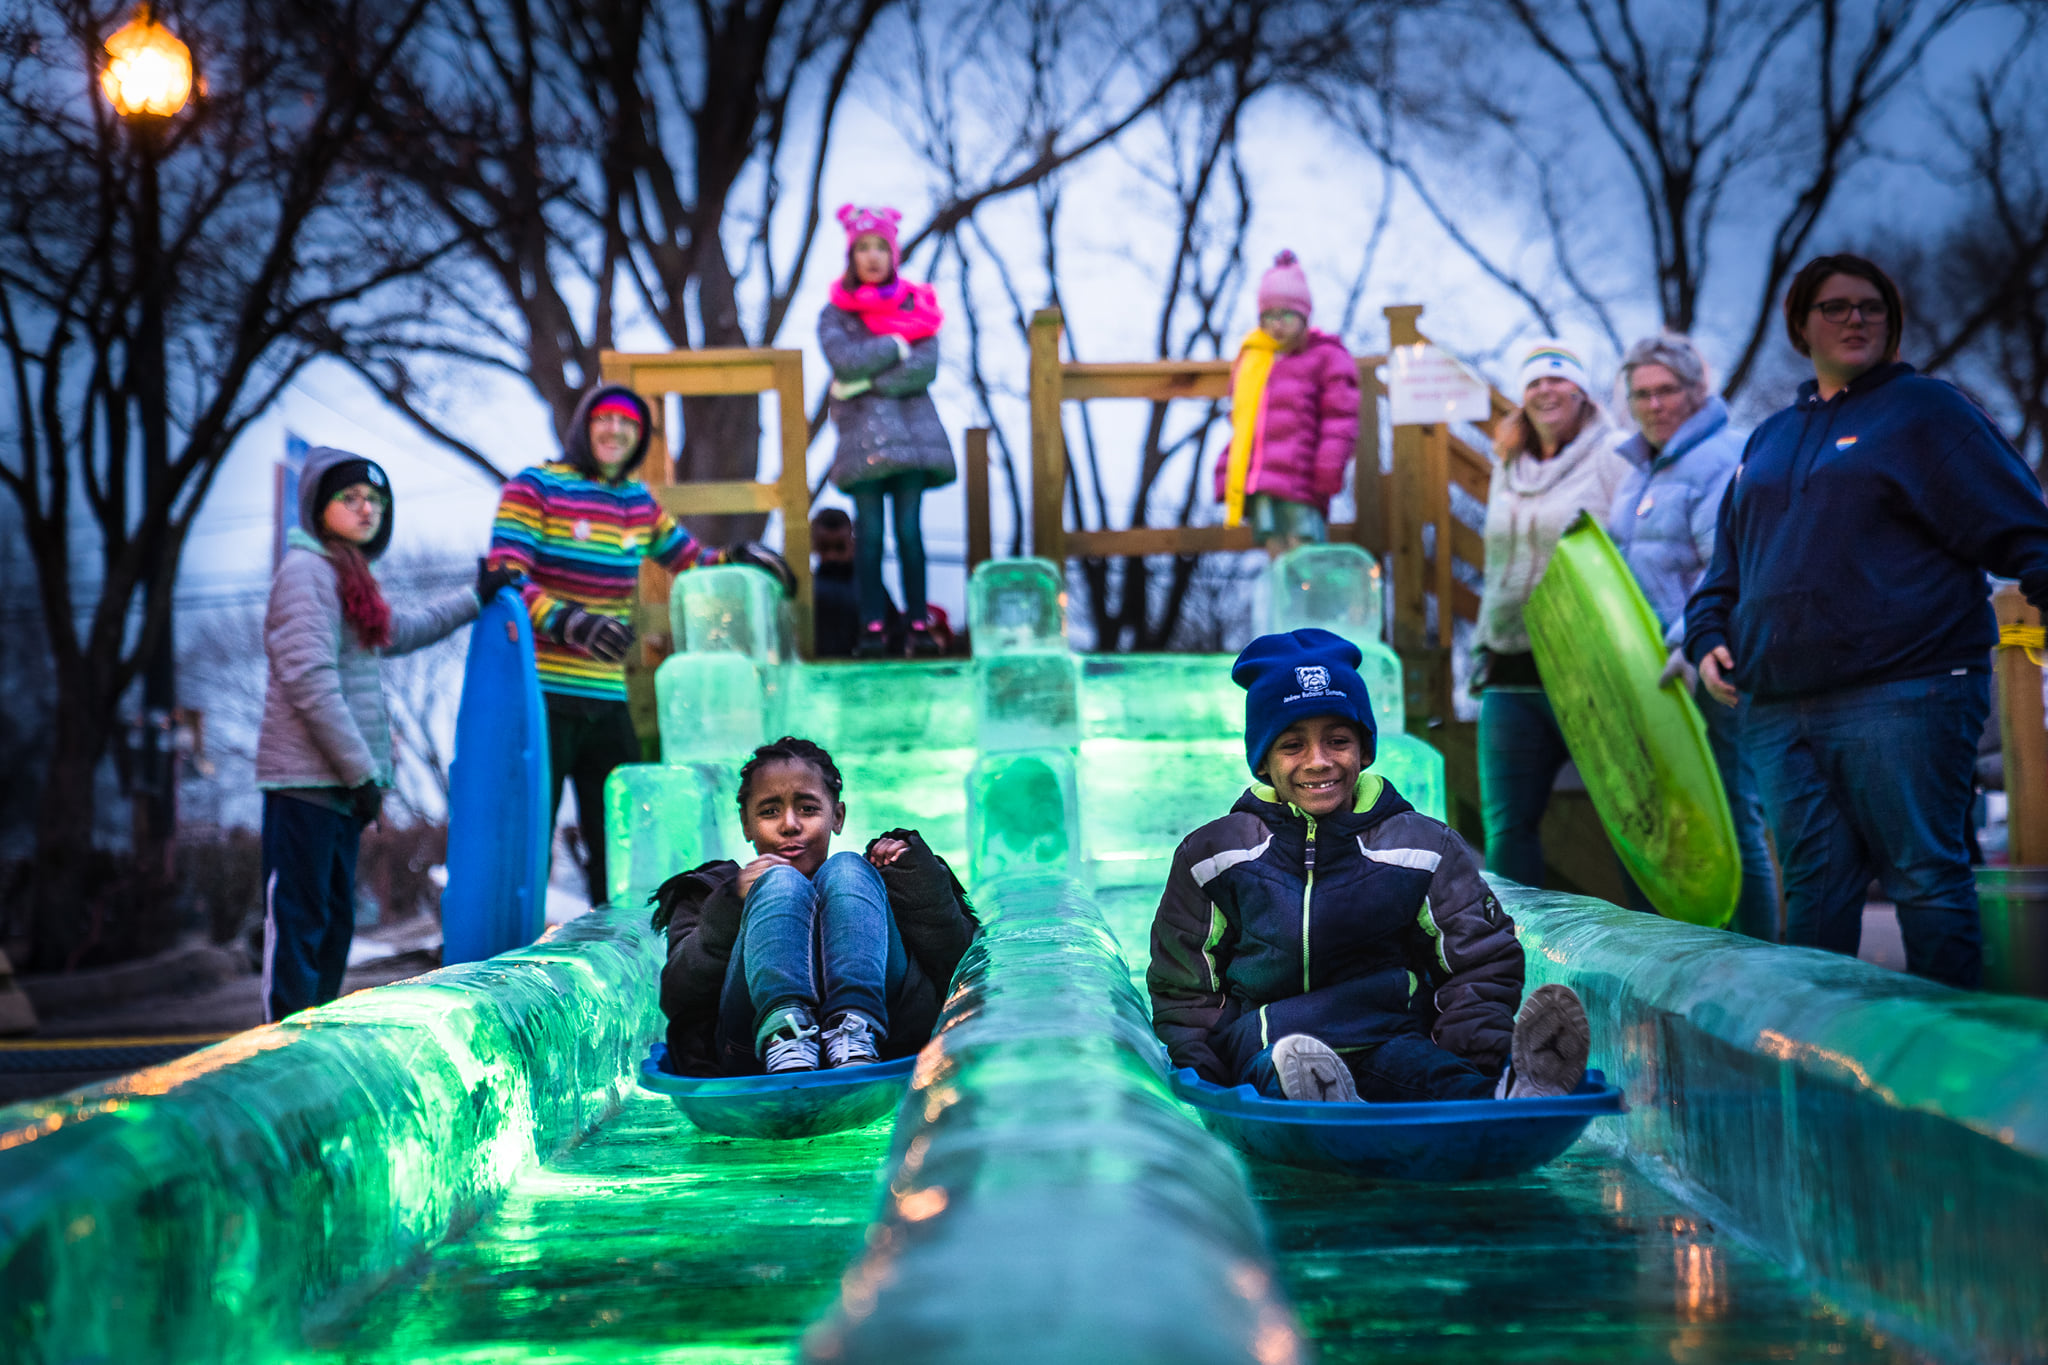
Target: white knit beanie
(1552,357)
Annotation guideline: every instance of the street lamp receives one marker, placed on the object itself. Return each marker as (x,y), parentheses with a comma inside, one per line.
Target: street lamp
(148,78)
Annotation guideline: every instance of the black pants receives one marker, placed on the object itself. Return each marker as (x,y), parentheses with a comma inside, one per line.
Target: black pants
(587,738)
(309,902)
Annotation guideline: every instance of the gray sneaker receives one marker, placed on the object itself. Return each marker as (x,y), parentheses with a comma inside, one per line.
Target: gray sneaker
(1552,1040)
(788,1041)
(1310,1070)
(851,1041)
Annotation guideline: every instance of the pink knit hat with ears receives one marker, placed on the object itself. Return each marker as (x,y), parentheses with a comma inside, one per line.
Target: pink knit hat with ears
(859,222)
(1284,286)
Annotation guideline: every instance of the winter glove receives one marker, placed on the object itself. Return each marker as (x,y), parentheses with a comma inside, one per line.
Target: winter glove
(365,799)
(602,638)
(1677,667)
(1482,672)
(490,581)
(759,556)
(843,389)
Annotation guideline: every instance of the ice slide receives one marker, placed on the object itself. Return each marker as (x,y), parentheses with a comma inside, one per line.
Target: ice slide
(1822,1161)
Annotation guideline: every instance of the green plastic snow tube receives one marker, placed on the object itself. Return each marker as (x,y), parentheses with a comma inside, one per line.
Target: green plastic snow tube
(1641,748)
(1047,1199)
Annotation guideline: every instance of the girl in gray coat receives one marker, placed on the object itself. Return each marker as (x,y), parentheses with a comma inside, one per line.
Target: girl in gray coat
(880,335)
(323,757)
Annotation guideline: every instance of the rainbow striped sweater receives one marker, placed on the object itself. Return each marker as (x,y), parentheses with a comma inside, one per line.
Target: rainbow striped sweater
(579,541)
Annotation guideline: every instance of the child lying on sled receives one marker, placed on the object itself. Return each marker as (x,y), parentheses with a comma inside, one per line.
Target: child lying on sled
(1325,940)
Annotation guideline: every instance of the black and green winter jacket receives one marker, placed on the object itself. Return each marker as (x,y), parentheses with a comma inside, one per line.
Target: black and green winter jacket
(1351,927)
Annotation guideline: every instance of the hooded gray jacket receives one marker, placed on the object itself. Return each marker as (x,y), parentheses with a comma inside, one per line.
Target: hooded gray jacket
(324,719)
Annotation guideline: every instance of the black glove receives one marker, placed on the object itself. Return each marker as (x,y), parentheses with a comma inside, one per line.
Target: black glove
(365,799)
(1482,672)
(490,581)
(602,638)
(756,555)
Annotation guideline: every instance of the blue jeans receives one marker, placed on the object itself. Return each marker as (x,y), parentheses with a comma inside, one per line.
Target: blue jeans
(309,902)
(1521,752)
(1756,911)
(826,943)
(905,496)
(1405,1069)
(1876,781)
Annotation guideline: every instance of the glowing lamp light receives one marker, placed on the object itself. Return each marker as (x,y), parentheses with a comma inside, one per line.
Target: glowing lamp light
(148,70)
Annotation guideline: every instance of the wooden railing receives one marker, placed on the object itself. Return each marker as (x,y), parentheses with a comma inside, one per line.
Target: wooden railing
(741,373)
(1405,518)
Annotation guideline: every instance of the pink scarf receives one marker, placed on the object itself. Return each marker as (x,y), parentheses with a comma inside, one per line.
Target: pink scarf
(899,308)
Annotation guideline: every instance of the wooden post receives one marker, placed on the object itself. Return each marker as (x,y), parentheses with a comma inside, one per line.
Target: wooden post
(1048,441)
(1369,491)
(977,498)
(1410,508)
(794,486)
(2024,736)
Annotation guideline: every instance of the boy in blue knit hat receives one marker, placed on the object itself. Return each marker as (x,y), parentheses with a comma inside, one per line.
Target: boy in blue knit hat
(1327,941)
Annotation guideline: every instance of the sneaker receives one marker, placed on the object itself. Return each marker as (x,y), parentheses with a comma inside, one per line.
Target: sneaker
(789,1041)
(922,644)
(873,642)
(1310,1070)
(1552,1040)
(851,1041)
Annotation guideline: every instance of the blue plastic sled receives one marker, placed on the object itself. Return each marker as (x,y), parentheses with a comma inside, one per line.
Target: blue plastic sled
(795,1104)
(1441,1142)
(498,816)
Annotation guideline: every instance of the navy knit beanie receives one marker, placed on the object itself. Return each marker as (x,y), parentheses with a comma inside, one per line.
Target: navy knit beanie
(1297,676)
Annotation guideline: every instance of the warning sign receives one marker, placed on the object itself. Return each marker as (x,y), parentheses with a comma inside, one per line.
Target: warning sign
(1426,385)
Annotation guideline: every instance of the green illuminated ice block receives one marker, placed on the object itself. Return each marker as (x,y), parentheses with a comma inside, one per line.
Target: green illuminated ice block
(1023,815)
(715,707)
(1415,768)
(902,734)
(665,818)
(1017,606)
(1046,1199)
(205,1209)
(1337,587)
(1885,1136)
(732,609)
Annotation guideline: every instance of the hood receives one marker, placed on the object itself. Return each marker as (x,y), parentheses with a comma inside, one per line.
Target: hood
(319,460)
(576,448)
(1525,474)
(1809,392)
(1711,418)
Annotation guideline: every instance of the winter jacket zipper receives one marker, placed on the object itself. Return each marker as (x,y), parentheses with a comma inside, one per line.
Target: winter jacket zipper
(1308,889)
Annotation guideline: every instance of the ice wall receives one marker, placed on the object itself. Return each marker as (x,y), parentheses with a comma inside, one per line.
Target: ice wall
(1883,1136)
(1046,1199)
(726,689)
(200,1211)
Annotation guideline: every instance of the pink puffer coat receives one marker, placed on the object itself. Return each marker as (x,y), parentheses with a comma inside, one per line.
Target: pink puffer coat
(1309,429)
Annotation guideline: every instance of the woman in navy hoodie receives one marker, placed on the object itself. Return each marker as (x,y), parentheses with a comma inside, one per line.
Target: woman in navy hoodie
(1847,597)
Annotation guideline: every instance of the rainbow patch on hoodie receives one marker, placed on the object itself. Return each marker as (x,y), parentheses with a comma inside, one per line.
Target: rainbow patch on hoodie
(1844,442)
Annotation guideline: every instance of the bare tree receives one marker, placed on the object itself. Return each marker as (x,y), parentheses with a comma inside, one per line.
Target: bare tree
(267,242)
(1730,127)
(1977,290)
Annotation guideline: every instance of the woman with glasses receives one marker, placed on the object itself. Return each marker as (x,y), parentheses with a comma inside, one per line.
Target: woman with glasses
(1681,458)
(1847,601)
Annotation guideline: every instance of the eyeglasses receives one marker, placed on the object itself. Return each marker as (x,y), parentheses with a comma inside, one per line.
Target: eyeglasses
(1664,393)
(360,502)
(1838,310)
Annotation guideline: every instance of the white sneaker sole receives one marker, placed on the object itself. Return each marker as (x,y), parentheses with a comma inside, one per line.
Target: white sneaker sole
(1309,1070)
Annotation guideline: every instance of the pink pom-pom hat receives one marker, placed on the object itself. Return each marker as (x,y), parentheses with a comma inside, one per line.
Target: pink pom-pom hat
(861,221)
(1285,285)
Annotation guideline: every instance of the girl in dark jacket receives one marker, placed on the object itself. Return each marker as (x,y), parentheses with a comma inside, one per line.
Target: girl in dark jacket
(1325,940)
(880,334)
(804,957)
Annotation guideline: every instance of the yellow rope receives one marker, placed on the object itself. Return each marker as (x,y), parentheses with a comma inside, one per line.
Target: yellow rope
(2032,639)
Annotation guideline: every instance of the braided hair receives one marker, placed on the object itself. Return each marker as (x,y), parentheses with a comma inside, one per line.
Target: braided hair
(790,749)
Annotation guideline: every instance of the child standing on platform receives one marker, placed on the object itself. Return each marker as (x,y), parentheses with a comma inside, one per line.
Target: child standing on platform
(1293,419)
(1325,940)
(577,529)
(323,755)
(880,333)
(805,957)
